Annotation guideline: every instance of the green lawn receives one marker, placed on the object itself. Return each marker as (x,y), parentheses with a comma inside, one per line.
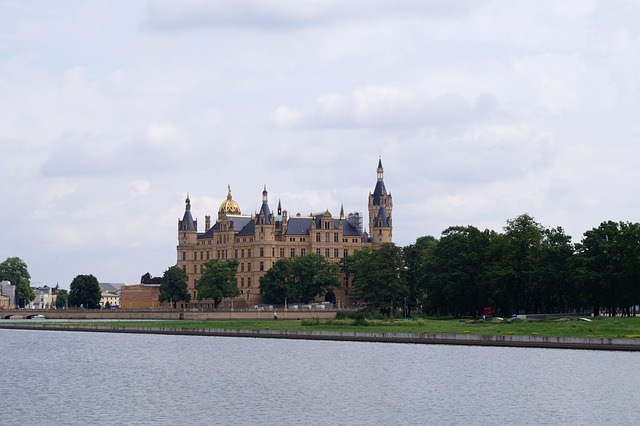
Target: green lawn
(600,327)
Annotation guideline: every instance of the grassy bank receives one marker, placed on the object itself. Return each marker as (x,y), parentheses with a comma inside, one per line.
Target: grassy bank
(600,327)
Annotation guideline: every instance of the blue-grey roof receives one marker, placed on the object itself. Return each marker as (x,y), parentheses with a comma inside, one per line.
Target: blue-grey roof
(237,223)
(378,192)
(110,286)
(382,216)
(189,220)
(302,226)
(348,230)
(266,212)
(248,229)
(299,225)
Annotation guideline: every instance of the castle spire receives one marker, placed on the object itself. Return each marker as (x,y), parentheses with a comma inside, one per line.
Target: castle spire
(380,170)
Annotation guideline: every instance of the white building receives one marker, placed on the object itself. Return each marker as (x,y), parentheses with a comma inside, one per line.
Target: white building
(110,298)
(43,300)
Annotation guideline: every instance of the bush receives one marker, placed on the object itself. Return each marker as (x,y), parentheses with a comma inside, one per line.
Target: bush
(360,319)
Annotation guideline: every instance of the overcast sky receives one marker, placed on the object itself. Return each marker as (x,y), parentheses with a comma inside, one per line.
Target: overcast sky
(111,111)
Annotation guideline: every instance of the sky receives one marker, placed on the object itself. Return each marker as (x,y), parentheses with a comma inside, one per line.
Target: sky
(111,112)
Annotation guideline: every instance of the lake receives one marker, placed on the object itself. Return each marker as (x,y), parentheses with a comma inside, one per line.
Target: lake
(55,377)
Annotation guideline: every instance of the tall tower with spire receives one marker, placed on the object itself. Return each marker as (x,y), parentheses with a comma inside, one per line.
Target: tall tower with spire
(380,210)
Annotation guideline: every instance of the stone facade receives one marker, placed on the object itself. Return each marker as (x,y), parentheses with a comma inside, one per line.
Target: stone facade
(258,241)
(139,296)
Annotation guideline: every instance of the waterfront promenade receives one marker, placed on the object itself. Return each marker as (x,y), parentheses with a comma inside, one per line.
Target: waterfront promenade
(167,314)
(610,344)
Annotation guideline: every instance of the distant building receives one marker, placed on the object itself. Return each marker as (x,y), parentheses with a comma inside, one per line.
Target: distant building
(140,296)
(109,298)
(43,300)
(110,287)
(257,241)
(8,290)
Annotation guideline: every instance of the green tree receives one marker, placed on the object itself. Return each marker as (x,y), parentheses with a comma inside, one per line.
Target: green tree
(379,277)
(62,299)
(416,256)
(279,283)
(555,290)
(174,286)
(299,279)
(85,291)
(148,279)
(218,281)
(607,266)
(14,270)
(315,276)
(452,275)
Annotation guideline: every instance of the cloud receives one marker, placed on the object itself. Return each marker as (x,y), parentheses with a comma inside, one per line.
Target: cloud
(285,15)
(386,106)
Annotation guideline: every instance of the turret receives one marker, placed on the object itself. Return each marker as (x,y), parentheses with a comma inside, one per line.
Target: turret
(380,210)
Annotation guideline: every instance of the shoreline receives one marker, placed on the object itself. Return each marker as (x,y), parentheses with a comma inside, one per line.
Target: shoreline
(592,343)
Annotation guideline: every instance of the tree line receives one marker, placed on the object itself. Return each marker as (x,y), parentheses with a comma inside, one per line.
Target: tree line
(525,269)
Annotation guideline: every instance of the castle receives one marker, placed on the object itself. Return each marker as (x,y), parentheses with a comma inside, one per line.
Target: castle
(258,241)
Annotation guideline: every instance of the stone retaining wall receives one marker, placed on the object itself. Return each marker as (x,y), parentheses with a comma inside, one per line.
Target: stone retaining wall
(617,344)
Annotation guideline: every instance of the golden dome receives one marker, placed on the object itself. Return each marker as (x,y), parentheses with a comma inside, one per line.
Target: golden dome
(229,206)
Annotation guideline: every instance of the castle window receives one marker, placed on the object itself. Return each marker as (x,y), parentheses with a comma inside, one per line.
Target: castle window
(195,269)
(236,254)
(303,252)
(335,252)
(335,238)
(327,237)
(242,282)
(346,253)
(261,266)
(273,252)
(317,237)
(242,267)
(184,268)
(326,253)
(261,251)
(184,255)
(248,266)
(281,252)
(249,253)
(242,253)
(207,255)
(201,268)
(293,252)
(318,251)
